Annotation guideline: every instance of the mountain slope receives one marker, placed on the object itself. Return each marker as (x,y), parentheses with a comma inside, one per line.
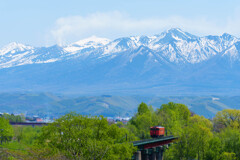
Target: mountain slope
(171,63)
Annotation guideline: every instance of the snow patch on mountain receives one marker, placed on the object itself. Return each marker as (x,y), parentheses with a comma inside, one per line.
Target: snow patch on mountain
(49,60)
(91,42)
(233,52)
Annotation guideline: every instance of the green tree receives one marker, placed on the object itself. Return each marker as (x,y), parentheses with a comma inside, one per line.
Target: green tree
(228,156)
(193,140)
(201,135)
(83,137)
(6,130)
(141,122)
(14,118)
(143,108)
(230,140)
(227,118)
(214,149)
(173,116)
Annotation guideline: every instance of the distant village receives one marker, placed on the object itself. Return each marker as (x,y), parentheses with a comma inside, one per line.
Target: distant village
(124,120)
(19,117)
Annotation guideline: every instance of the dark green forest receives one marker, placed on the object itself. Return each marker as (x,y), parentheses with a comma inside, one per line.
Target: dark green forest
(76,136)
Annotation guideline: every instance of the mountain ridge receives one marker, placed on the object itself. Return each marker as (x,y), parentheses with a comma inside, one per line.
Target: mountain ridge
(173,63)
(175,44)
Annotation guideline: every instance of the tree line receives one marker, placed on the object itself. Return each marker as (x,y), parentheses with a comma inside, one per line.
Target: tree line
(13,118)
(75,136)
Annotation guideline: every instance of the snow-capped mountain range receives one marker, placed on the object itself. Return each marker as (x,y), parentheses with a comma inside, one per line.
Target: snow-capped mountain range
(121,61)
(174,45)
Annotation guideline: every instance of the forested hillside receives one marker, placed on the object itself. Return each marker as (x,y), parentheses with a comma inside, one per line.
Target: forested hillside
(53,105)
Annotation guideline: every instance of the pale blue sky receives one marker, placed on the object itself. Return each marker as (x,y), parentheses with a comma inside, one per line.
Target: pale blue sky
(47,22)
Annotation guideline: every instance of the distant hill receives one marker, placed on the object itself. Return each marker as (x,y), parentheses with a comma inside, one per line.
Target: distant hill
(46,104)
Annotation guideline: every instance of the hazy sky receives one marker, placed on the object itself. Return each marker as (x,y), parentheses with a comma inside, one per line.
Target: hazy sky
(47,22)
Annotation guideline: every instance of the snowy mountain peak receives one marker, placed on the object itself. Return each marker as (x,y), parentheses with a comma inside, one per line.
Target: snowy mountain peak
(13,48)
(228,37)
(91,42)
(174,30)
(179,34)
(174,34)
